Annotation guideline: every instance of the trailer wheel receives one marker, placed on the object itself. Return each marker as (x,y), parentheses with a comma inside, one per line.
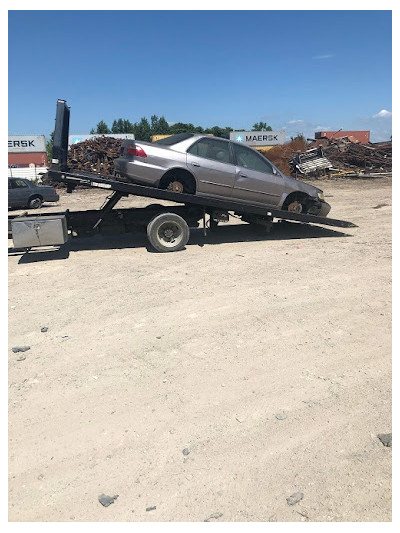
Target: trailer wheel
(168,232)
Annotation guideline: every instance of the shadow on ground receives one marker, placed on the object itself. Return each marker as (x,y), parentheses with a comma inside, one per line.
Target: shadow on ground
(223,234)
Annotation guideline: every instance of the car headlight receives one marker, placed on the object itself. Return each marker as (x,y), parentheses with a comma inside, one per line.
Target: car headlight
(321,196)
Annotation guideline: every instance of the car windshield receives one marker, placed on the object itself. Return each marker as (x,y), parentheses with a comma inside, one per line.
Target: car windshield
(174,139)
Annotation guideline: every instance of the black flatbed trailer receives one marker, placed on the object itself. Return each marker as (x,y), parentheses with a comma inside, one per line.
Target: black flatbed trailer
(167,226)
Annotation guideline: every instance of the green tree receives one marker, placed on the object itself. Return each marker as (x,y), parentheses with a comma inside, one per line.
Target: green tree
(49,148)
(117,126)
(122,126)
(181,127)
(217,131)
(261,126)
(159,126)
(102,128)
(142,130)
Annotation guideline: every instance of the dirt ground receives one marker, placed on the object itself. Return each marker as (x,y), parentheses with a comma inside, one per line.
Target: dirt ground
(207,384)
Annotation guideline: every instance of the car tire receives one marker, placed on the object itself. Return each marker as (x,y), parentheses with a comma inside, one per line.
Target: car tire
(35,203)
(168,232)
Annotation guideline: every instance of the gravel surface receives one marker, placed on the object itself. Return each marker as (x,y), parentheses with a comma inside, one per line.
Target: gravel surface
(150,354)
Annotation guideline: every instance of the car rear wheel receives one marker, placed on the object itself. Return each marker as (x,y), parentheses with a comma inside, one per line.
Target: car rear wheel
(35,203)
(168,232)
(178,181)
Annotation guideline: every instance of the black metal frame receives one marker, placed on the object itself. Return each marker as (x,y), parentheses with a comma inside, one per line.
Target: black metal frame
(61,132)
(72,179)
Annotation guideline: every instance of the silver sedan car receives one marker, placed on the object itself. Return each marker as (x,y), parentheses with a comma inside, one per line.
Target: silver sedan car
(210,166)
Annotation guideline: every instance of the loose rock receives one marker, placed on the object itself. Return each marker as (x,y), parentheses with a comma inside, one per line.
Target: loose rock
(386,439)
(186,451)
(295,498)
(151,508)
(44,329)
(280,416)
(214,516)
(107,500)
(17,349)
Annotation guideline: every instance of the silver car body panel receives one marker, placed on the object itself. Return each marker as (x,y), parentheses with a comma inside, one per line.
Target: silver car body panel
(223,179)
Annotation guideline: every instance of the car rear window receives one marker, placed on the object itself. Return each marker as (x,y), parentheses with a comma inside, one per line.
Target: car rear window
(174,139)
(18,184)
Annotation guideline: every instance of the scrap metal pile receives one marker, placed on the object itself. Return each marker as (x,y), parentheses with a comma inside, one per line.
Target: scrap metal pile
(365,158)
(343,157)
(94,155)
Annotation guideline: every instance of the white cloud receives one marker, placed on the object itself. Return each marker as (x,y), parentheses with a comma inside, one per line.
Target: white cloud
(324,56)
(383,113)
(296,121)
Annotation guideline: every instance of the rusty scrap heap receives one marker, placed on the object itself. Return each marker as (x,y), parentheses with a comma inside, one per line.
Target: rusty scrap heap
(343,157)
(95,155)
(366,158)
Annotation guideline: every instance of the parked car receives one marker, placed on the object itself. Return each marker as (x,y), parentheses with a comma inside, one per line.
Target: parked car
(209,166)
(24,193)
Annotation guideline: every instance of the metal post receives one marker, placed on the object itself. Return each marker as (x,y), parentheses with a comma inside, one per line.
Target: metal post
(204,222)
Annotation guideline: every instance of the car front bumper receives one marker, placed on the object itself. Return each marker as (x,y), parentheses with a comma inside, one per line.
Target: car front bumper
(320,209)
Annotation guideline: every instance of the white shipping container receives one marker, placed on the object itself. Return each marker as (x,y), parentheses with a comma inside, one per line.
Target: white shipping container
(26,143)
(258,138)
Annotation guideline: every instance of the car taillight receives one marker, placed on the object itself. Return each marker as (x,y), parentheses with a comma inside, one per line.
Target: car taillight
(135,151)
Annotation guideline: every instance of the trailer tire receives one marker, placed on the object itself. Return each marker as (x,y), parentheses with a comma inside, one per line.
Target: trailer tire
(168,232)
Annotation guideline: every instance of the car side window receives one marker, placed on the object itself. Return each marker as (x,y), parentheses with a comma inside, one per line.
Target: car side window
(247,158)
(18,184)
(211,149)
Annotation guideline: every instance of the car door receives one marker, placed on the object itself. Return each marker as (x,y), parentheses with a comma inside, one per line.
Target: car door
(211,162)
(18,192)
(255,178)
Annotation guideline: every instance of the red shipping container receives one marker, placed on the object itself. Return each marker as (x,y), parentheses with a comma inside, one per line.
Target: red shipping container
(362,136)
(23,160)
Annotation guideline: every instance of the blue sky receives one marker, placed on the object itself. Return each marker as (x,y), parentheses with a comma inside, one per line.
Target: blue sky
(301,71)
